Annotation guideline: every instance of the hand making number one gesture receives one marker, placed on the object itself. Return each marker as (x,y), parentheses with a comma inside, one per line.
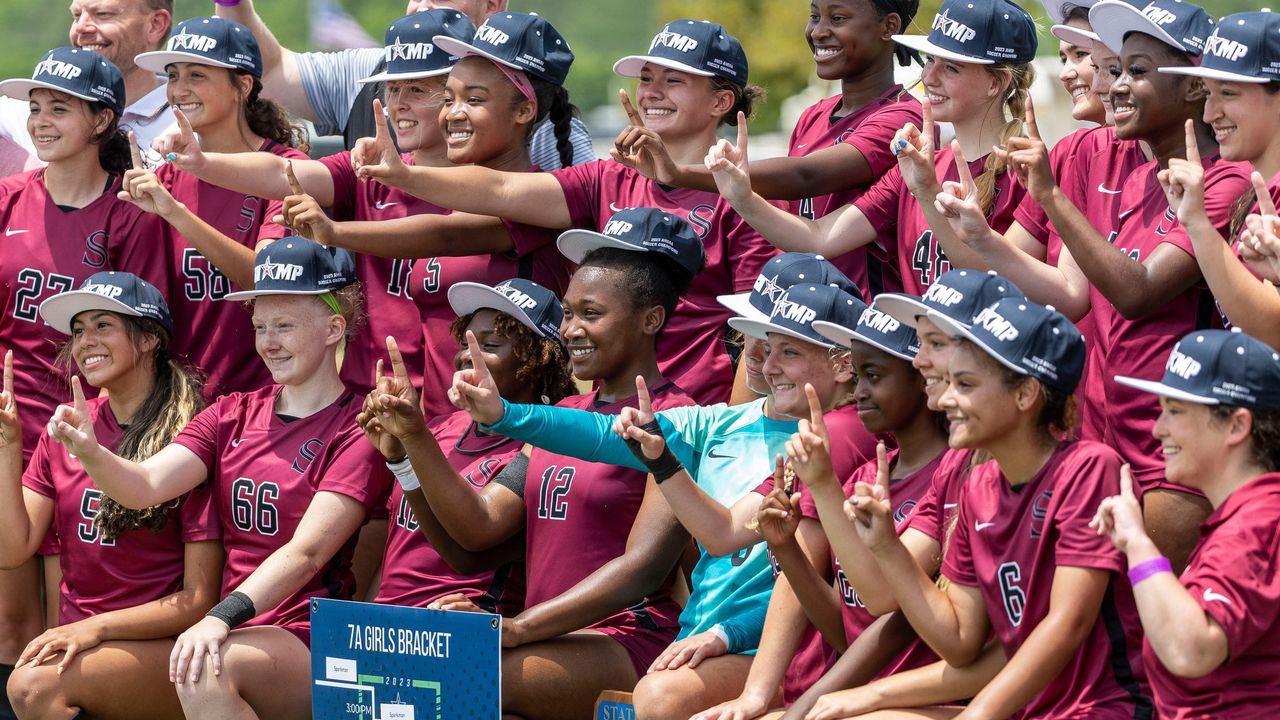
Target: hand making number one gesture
(915,150)
(1183,180)
(302,213)
(377,157)
(70,424)
(474,389)
(1119,517)
(631,423)
(641,148)
(729,166)
(10,427)
(870,507)
(810,447)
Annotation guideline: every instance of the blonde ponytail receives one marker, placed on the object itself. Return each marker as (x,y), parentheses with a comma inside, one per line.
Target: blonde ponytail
(1015,104)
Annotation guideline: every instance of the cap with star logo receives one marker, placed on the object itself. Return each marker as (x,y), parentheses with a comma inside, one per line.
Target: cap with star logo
(799,309)
(297,266)
(1218,367)
(778,275)
(207,41)
(122,293)
(80,73)
(410,50)
(979,32)
(536,307)
(697,47)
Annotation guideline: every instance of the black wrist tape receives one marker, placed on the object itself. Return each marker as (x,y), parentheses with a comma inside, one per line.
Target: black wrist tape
(235,610)
(661,467)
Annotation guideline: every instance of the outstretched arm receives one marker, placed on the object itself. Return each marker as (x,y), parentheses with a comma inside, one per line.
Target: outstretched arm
(25,515)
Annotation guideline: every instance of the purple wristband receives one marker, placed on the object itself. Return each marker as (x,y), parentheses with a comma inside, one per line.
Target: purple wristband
(1146,569)
(226,3)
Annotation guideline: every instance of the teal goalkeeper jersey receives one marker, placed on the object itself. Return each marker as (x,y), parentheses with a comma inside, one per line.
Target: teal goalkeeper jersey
(728,451)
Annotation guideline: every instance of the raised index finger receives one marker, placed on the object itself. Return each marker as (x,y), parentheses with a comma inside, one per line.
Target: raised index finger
(8,373)
(1266,206)
(397,360)
(962,167)
(380,131)
(926,111)
(1126,481)
(633,115)
(295,187)
(1193,147)
(135,155)
(642,397)
(816,421)
(477,359)
(1033,131)
(77,396)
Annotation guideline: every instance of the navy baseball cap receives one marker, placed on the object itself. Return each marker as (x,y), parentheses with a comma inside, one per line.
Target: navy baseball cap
(297,266)
(779,274)
(799,308)
(81,73)
(1218,367)
(641,230)
(1244,47)
(536,307)
(982,32)
(517,40)
(958,294)
(698,47)
(410,48)
(1182,25)
(119,292)
(207,41)
(1027,338)
(876,329)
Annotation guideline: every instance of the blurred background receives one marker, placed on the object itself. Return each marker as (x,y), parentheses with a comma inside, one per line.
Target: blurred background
(600,31)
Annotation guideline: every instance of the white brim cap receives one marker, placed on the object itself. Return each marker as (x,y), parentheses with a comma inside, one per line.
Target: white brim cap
(251,294)
(760,330)
(385,76)
(631,65)
(459,49)
(740,305)
(903,308)
(577,244)
(1075,36)
(1223,75)
(156,61)
(921,43)
(1158,388)
(468,297)
(1113,19)
(956,329)
(59,310)
(20,89)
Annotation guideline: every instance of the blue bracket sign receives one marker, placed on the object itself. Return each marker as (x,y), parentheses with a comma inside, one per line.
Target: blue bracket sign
(385,662)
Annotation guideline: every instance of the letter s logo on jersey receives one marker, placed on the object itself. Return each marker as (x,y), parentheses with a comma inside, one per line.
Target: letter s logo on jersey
(953,29)
(492,35)
(1182,365)
(307,454)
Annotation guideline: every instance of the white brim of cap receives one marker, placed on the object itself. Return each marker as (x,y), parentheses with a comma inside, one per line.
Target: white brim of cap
(845,337)
(903,308)
(251,294)
(1054,9)
(20,89)
(59,310)
(922,44)
(156,61)
(577,244)
(468,297)
(741,306)
(1159,388)
(459,49)
(1212,74)
(389,76)
(956,329)
(631,65)
(1111,20)
(760,330)
(1075,36)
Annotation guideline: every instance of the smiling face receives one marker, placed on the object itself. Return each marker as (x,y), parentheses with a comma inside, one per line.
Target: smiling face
(959,90)
(103,349)
(790,363)
(981,408)
(677,104)
(1106,68)
(1243,117)
(1076,77)
(846,37)
(209,96)
(753,357)
(602,329)
(62,126)
(292,334)
(889,393)
(1148,104)
(936,348)
(484,116)
(499,354)
(414,108)
(119,30)
(1193,441)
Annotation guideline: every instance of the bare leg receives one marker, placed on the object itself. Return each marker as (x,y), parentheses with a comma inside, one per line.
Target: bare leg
(1173,520)
(559,679)
(20,611)
(266,673)
(679,693)
(121,680)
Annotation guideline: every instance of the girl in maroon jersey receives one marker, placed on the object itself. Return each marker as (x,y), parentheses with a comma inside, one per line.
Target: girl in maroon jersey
(692,81)
(522,349)
(131,578)
(62,223)
(1212,633)
(216,86)
(292,478)
(1023,563)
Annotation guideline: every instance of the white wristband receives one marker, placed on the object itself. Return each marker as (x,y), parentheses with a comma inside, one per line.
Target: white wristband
(405,475)
(719,632)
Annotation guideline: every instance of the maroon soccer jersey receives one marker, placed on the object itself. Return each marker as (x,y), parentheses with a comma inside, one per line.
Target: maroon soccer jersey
(46,251)
(136,567)
(935,512)
(870,129)
(903,231)
(1140,347)
(691,348)
(213,335)
(535,257)
(264,470)
(413,573)
(1009,542)
(1232,575)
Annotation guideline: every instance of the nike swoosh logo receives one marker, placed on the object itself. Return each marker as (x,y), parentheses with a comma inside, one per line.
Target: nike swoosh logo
(1126,213)
(948,506)
(615,208)
(714,455)
(1211,596)
(1103,189)
(979,527)
(11,233)
(802,146)
(383,205)
(235,443)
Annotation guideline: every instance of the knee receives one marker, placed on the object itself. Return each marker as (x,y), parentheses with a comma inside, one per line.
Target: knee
(662,695)
(32,691)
